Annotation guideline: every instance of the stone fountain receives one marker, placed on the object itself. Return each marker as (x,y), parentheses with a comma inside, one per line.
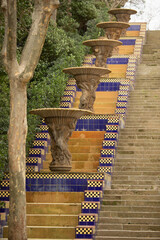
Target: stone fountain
(102,49)
(61,123)
(87,79)
(113,30)
(122,14)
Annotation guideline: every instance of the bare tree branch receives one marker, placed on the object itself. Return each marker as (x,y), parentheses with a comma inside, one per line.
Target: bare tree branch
(36,37)
(115,3)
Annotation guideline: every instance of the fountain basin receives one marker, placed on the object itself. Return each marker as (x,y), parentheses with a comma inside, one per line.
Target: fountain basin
(102,49)
(113,30)
(87,79)
(122,14)
(61,123)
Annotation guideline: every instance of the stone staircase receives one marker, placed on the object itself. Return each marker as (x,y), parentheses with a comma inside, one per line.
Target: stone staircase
(131,208)
(52,215)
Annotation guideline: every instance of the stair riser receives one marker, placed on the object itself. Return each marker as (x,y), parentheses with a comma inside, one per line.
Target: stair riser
(131,209)
(136,182)
(133,177)
(130,197)
(130,202)
(55,197)
(45,220)
(128,234)
(123,238)
(128,227)
(130,192)
(47,233)
(136,187)
(53,208)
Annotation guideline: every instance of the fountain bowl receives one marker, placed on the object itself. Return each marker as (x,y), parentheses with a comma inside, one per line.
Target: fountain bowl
(122,14)
(61,123)
(102,42)
(102,49)
(87,79)
(113,30)
(76,71)
(59,112)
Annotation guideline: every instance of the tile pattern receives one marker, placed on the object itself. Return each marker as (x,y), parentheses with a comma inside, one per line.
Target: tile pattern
(90,207)
(88,219)
(96,122)
(85,232)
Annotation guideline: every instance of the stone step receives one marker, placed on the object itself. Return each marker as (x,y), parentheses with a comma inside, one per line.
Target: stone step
(128,130)
(134,227)
(139,149)
(130,192)
(138,142)
(53,208)
(144,125)
(85,142)
(137,124)
(131,202)
(80,149)
(136,182)
(127,165)
(54,197)
(43,239)
(141,157)
(133,167)
(88,134)
(85,149)
(131,209)
(129,214)
(139,101)
(139,137)
(141,104)
(52,220)
(124,238)
(126,177)
(136,187)
(136,169)
(49,232)
(137,173)
(129,197)
(125,233)
(143,108)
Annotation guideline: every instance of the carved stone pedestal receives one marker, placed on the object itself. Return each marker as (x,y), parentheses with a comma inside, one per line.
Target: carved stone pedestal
(61,123)
(122,14)
(87,79)
(113,30)
(102,49)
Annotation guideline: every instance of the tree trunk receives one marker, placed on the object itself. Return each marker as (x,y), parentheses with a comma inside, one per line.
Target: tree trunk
(19,75)
(17,156)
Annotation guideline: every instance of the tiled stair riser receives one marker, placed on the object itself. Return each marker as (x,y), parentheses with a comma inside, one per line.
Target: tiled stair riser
(88,219)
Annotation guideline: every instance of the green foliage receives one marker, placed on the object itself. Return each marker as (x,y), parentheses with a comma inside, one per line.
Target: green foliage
(82,12)
(4,121)
(76,22)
